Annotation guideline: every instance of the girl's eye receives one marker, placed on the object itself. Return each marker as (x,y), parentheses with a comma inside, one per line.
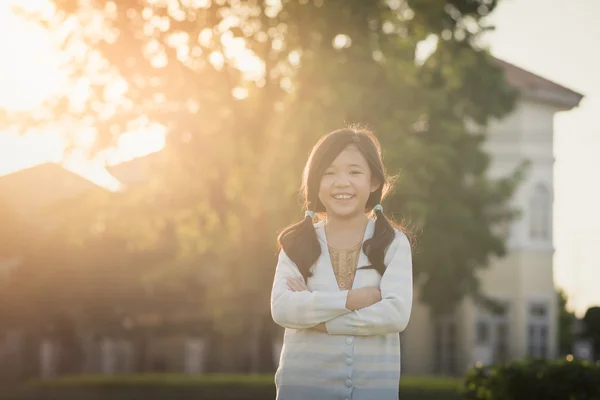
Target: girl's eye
(328,173)
(356,172)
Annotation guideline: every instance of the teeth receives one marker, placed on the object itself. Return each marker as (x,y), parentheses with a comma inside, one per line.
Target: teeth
(342,196)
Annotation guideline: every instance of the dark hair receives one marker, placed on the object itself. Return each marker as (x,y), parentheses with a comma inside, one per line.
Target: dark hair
(299,241)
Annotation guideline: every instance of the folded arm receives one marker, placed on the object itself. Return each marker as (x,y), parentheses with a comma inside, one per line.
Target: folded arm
(392,313)
(303,309)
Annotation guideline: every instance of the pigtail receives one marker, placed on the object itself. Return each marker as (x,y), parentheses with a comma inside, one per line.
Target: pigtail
(383,236)
(300,243)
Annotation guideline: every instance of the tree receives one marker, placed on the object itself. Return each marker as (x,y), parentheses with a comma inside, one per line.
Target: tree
(238,136)
(566,322)
(591,320)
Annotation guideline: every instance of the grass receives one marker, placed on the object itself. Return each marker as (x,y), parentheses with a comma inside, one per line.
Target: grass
(138,380)
(185,387)
(430,383)
(163,380)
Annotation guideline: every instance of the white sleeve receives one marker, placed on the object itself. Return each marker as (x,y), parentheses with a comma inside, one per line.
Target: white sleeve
(305,309)
(392,313)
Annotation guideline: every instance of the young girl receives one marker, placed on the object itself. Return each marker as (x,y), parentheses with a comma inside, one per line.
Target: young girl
(343,286)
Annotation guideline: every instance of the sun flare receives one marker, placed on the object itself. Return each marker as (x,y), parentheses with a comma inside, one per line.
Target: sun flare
(30,73)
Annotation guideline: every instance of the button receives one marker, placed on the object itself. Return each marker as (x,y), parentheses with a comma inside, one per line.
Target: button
(349,340)
(349,382)
(348,361)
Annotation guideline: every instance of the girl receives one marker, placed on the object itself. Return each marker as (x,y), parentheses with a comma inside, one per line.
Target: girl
(342,287)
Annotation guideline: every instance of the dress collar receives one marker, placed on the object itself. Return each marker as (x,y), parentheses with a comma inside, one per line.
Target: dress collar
(320,229)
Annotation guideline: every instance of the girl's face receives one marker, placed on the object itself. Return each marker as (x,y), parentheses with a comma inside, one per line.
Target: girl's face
(346,184)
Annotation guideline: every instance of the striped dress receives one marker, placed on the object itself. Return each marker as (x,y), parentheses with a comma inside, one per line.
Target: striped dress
(359,357)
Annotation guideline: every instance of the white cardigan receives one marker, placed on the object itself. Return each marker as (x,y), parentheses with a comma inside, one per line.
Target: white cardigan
(360,356)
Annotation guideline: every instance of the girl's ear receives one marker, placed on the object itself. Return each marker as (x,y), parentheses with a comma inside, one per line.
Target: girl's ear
(375,184)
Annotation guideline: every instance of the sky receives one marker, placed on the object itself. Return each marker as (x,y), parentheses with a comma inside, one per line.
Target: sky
(552,38)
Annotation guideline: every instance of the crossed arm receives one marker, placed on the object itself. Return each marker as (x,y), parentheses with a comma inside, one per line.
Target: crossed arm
(356,299)
(364,311)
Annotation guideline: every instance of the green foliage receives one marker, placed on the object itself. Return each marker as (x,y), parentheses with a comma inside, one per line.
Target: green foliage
(591,321)
(566,322)
(534,379)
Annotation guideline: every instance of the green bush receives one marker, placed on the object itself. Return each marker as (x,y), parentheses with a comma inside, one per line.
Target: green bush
(206,387)
(534,379)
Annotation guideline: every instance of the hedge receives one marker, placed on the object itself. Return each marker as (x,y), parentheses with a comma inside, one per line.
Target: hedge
(534,379)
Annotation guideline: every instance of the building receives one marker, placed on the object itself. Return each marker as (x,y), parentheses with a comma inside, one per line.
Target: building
(33,203)
(30,196)
(37,201)
(523,280)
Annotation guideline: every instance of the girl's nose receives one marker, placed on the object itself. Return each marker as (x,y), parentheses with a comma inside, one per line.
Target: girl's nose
(342,180)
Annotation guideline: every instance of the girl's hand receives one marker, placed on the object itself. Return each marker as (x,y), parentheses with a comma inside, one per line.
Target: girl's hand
(297,284)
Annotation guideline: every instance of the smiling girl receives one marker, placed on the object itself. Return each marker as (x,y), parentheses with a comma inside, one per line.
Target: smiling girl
(343,286)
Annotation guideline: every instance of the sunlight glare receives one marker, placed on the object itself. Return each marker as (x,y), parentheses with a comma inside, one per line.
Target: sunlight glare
(23,151)
(34,71)
(425,48)
(29,72)
(294,58)
(217,59)
(242,57)
(342,41)
(142,141)
(240,93)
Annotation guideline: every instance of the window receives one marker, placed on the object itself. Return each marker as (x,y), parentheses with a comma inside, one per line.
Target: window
(537,331)
(492,333)
(446,346)
(483,332)
(541,213)
(501,348)
(544,342)
(538,310)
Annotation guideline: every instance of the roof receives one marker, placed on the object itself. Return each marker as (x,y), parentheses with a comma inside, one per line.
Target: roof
(41,185)
(533,85)
(135,170)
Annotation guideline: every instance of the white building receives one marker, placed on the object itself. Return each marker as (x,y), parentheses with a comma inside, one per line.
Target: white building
(523,280)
